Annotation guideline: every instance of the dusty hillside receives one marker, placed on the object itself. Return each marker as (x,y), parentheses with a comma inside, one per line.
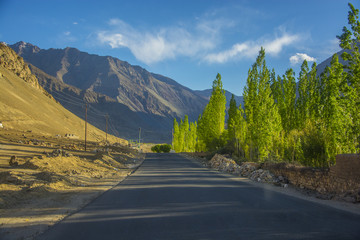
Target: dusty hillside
(24,105)
(45,176)
(43,181)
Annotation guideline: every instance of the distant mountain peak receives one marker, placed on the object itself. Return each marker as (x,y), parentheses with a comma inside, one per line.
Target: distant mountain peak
(22,47)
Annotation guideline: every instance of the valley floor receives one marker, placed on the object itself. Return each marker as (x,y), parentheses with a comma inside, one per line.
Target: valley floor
(49,178)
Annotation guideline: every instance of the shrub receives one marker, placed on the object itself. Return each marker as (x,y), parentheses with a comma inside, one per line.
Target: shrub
(165,148)
(155,148)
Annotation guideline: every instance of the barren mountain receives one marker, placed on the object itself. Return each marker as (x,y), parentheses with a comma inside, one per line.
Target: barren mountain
(133,86)
(26,106)
(207,94)
(132,96)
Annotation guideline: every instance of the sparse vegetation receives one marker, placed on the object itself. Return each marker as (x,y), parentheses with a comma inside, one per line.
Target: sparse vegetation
(161,148)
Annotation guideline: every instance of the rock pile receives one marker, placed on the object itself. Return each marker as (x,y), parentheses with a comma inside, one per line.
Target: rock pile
(223,164)
(58,152)
(261,175)
(246,169)
(250,170)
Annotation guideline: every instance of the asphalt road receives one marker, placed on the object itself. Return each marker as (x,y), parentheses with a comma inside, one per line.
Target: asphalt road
(170,197)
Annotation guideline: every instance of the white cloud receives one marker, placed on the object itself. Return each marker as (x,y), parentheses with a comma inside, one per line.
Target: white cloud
(75,23)
(250,49)
(226,55)
(151,47)
(197,41)
(275,47)
(67,33)
(300,57)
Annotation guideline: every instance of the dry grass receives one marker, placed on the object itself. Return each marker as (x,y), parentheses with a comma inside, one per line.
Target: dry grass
(43,188)
(26,108)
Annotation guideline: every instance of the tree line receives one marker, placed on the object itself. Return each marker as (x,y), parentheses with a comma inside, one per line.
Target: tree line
(309,121)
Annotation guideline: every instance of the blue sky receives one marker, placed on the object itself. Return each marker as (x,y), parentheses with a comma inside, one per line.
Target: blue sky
(189,41)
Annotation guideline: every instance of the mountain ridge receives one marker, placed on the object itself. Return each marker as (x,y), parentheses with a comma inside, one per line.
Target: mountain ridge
(132,96)
(26,106)
(131,85)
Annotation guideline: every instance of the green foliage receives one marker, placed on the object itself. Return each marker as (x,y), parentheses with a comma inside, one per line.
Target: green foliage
(176,133)
(184,136)
(165,148)
(276,124)
(155,148)
(303,101)
(337,118)
(313,145)
(286,103)
(232,117)
(349,41)
(262,117)
(211,123)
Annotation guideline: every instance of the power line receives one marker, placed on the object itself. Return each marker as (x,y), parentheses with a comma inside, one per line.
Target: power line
(68,101)
(89,110)
(92,109)
(85,123)
(69,95)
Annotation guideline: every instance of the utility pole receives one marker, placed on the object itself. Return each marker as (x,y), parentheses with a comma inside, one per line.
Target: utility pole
(139,135)
(106,116)
(85,124)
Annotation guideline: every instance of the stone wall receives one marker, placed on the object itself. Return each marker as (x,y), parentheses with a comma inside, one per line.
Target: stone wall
(341,180)
(347,167)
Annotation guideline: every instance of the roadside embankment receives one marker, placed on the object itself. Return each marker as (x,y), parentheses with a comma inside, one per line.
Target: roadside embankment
(40,189)
(339,182)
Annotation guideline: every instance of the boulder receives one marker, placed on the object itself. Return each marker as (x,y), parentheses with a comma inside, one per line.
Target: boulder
(13,161)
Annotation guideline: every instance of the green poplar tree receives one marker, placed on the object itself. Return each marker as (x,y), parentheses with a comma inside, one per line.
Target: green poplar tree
(193,137)
(313,90)
(336,119)
(303,101)
(263,120)
(176,133)
(212,121)
(349,41)
(287,102)
(240,131)
(232,118)
(181,137)
(187,136)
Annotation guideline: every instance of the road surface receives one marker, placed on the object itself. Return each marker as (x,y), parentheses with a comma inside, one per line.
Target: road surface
(170,197)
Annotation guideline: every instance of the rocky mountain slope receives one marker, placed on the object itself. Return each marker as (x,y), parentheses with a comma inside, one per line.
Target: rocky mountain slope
(132,96)
(26,106)
(207,93)
(133,86)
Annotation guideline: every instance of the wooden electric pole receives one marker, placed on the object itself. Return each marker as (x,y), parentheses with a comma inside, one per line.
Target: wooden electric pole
(139,136)
(85,124)
(106,116)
